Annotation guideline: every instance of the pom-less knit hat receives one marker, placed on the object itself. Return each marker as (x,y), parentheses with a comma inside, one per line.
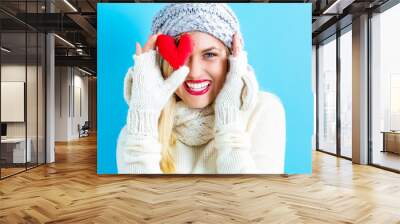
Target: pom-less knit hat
(216,19)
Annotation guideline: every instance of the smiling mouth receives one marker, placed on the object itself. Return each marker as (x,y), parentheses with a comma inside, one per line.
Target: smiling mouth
(197,87)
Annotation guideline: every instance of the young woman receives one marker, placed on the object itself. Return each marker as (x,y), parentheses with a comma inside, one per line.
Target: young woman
(207,116)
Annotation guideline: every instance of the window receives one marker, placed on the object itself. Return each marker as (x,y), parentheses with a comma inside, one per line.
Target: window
(346,93)
(327,96)
(23,79)
(385,88)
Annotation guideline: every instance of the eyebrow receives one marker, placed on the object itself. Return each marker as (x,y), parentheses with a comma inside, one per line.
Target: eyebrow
(210,48)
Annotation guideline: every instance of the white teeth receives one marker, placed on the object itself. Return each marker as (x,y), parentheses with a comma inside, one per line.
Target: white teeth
(197,86)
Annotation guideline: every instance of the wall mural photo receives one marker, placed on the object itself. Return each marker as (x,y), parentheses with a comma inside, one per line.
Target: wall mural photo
(196,88)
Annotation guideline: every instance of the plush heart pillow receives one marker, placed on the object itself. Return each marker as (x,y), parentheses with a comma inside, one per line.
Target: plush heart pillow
(175,55)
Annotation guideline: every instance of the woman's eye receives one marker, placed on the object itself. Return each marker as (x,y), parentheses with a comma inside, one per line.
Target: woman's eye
(209,55)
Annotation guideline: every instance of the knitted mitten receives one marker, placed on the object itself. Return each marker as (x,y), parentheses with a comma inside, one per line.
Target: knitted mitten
(231,138)
(149,93)
(229,101)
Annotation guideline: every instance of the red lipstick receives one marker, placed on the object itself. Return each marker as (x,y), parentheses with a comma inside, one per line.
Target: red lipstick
(197,87)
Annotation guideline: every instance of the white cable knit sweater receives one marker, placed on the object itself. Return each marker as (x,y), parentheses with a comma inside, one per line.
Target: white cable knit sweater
(261,149)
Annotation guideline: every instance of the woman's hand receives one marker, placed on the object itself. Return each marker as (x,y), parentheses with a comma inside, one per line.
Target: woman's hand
(148,90)
(229,101)
(237,95)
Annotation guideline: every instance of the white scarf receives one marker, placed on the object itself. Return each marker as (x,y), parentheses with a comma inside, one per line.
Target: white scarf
(194,127)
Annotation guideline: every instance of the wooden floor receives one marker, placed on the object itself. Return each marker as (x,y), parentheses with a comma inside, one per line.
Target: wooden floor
(70,191)
(10,171)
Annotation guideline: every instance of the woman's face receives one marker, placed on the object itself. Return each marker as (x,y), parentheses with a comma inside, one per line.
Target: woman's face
(208,66)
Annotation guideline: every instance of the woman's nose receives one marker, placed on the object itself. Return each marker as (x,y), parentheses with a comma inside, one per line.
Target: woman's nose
(195,69)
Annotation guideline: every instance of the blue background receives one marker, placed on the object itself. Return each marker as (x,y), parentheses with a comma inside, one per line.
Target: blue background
(278,41)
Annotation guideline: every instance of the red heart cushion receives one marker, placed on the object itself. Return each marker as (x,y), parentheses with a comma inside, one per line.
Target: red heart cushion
(176,56)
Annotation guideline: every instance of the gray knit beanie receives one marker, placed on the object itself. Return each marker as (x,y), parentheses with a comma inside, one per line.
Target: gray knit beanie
(216,19)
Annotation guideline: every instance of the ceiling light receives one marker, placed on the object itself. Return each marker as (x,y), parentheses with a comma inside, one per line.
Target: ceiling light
(5,50)
(65,41)
(84,71)
(337,7)
(70,5)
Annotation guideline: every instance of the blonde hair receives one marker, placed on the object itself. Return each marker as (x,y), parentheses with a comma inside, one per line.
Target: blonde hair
(167,137)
